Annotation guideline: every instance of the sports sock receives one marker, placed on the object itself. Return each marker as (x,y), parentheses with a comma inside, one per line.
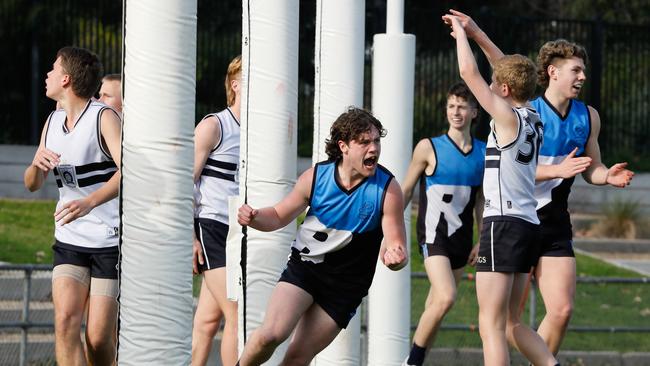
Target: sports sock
(416,357)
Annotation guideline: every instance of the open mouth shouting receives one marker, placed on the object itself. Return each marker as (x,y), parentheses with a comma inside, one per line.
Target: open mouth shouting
(370,163)
(576,87)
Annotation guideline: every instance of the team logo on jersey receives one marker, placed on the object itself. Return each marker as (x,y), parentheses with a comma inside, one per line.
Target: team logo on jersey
(580,130)
(68,176)
(366,209)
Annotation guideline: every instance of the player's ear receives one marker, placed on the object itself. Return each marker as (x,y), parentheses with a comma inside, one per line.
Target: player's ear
(343,146)
(551,70)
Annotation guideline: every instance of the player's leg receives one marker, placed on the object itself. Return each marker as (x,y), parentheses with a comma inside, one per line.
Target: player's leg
(315,330)
(556,278)
(287,305)
(493,294)
(215,280)
(440,299)
(526,340)
(70,286)
(207,319)
(101,325)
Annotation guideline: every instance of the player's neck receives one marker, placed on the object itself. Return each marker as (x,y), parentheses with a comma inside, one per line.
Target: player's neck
(461,137)
(236,108)
(558,101)
(73,106)
(347,177)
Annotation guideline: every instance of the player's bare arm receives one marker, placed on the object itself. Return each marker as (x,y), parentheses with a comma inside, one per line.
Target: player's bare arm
(424,160)
(505,119)
(111,127)
(280,215)
(597,173)
(206,136)
(393,251)
(491,51)
(44,161)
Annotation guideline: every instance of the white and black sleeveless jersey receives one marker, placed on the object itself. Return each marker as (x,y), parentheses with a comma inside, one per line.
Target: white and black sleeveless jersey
(85,165)
(509,180)
(220,176)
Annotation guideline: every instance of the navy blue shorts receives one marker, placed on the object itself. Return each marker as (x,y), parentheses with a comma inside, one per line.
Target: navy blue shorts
(212,235)
(102,262)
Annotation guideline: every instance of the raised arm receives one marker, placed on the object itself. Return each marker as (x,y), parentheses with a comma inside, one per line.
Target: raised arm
(491,51)
(44,161)
(393,252)
(598,173)
(423,157)
(285,211)
(206,136)
(504,117)
(111,128)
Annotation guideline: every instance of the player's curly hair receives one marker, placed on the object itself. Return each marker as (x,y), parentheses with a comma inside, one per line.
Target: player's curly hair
(552,50)
(519,73)
(84,68)
(234,71)
(349,126)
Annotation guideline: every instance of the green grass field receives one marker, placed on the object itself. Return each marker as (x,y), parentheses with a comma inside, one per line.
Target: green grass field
(26,234)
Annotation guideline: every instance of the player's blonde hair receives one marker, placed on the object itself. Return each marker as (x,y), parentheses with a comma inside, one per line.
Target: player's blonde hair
(234,72)
(553,50)
(519,73)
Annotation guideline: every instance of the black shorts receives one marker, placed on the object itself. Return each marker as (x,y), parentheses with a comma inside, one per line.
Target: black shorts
(508,244)
(102,262)
(458,253)
(328,290)
(556,245)
(212,234)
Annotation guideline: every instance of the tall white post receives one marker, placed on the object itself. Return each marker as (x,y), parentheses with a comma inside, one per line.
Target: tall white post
(268,147)
(156,192)
(393,72)
(339,59)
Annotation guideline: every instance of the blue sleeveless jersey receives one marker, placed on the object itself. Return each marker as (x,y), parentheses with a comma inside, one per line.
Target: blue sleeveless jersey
(561,135)
(342,230)
(448,195)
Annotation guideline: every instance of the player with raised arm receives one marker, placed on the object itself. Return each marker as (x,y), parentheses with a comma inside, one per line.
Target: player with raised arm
(508,243)
(570,147)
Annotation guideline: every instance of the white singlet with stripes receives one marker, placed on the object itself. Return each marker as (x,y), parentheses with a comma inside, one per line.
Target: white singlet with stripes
(85,166)
(220,176)
(509,180)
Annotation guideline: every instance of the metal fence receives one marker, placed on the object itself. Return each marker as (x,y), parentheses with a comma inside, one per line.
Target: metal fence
(618,73)
(27,322)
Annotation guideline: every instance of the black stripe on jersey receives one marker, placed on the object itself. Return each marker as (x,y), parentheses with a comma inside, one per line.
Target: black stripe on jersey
(519,128)
(99,178)
(82,169)
(221,164)
(492,163)
(99,132)
(65,128)
(492,151)
(233,116)
(220,133)
(435,156)
(217,174)
(56,171)
(59,183)
(550,105)
(47,130)
(383,196)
